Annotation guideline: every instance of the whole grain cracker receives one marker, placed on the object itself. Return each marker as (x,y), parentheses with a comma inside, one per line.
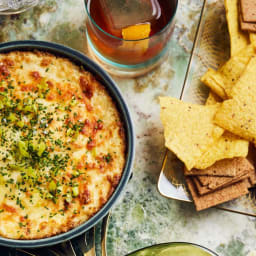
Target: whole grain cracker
(252,178)
(219,183)
(218,197)
(225,167)
(251,27)
(248,8)
(242,166)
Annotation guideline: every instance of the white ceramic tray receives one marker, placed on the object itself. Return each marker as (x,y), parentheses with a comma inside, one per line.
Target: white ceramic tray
(210,49)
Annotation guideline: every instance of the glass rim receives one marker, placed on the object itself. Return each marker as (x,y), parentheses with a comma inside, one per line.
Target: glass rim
(137,40)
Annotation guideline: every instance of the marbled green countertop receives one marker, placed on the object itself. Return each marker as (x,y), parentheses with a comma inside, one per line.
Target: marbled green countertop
(142,216)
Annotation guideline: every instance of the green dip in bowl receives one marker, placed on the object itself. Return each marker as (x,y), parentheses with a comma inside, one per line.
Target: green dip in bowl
(174,249)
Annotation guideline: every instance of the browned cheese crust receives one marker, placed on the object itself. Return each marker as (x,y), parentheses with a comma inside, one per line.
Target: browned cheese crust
(62,145)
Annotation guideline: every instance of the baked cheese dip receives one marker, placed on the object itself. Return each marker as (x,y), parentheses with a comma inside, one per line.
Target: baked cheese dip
(62,145)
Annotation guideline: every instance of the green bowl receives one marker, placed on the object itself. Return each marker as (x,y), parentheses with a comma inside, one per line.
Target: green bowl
(174,249)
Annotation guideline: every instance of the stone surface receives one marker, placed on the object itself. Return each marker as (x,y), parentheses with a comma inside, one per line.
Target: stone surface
(142,216)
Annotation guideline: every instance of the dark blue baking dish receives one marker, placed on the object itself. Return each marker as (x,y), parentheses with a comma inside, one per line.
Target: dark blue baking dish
(81,60)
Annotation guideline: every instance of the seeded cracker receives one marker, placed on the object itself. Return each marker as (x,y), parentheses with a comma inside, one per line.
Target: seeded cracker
(218,197)
(188,129)
(238,115)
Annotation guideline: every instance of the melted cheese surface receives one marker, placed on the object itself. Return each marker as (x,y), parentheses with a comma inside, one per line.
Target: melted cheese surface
(62,145)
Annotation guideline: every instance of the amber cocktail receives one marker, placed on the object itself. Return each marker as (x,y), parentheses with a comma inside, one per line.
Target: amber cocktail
(129,37)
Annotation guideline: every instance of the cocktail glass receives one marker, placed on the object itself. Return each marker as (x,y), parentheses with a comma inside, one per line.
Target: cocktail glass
(8,7)
(126,57)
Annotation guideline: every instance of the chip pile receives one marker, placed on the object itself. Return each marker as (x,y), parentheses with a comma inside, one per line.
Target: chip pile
(213,140)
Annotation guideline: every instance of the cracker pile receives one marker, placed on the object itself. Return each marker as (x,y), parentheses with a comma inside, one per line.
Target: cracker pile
(212,140)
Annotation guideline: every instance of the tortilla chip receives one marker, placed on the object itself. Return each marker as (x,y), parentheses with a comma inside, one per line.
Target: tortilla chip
(238,115)
(252,38)
(217,197)
(225,167)
(245,86)
(227,146)
(222,81)
(188,129)
(214,80)
(212,99)
(238,39)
